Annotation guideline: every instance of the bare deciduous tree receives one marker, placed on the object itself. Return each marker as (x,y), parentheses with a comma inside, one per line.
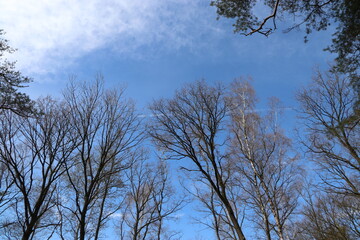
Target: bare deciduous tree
(264,168)
(191,126)
(332,130)
(34,151)
(150,201)
(328,217)
(108,129)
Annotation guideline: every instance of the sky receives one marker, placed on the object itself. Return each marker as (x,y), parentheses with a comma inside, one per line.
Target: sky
(153,47)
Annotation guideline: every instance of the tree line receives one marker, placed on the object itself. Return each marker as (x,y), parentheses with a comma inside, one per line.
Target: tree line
(68,166)
(74,163)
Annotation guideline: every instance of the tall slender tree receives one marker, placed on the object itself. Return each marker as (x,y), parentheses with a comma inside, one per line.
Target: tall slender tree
(265,169)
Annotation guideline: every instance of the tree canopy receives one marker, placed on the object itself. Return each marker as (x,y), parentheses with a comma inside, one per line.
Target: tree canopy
(10,82)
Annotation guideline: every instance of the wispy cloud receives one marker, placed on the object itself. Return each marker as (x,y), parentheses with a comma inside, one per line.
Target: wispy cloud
(51,34)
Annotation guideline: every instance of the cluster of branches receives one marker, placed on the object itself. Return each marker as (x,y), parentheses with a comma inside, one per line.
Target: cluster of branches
(315,15)
(75,163)
(245,168)
(68,169)
(332,139)
(149,202)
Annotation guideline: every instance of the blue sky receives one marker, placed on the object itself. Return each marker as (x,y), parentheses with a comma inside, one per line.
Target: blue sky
(153,47)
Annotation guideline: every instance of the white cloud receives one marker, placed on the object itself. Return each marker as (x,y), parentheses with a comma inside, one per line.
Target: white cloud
(51,34)
(117,215)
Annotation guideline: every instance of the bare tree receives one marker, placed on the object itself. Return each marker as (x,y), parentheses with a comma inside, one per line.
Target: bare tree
(34,151)
(149,203)
(329,110)
(191,126)
(328,217)
(264,167)
(333,131)
(108,130)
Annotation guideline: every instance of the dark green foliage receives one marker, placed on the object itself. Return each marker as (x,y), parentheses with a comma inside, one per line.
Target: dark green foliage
(313,14)
(346,41)
(10,81)
(239,10)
